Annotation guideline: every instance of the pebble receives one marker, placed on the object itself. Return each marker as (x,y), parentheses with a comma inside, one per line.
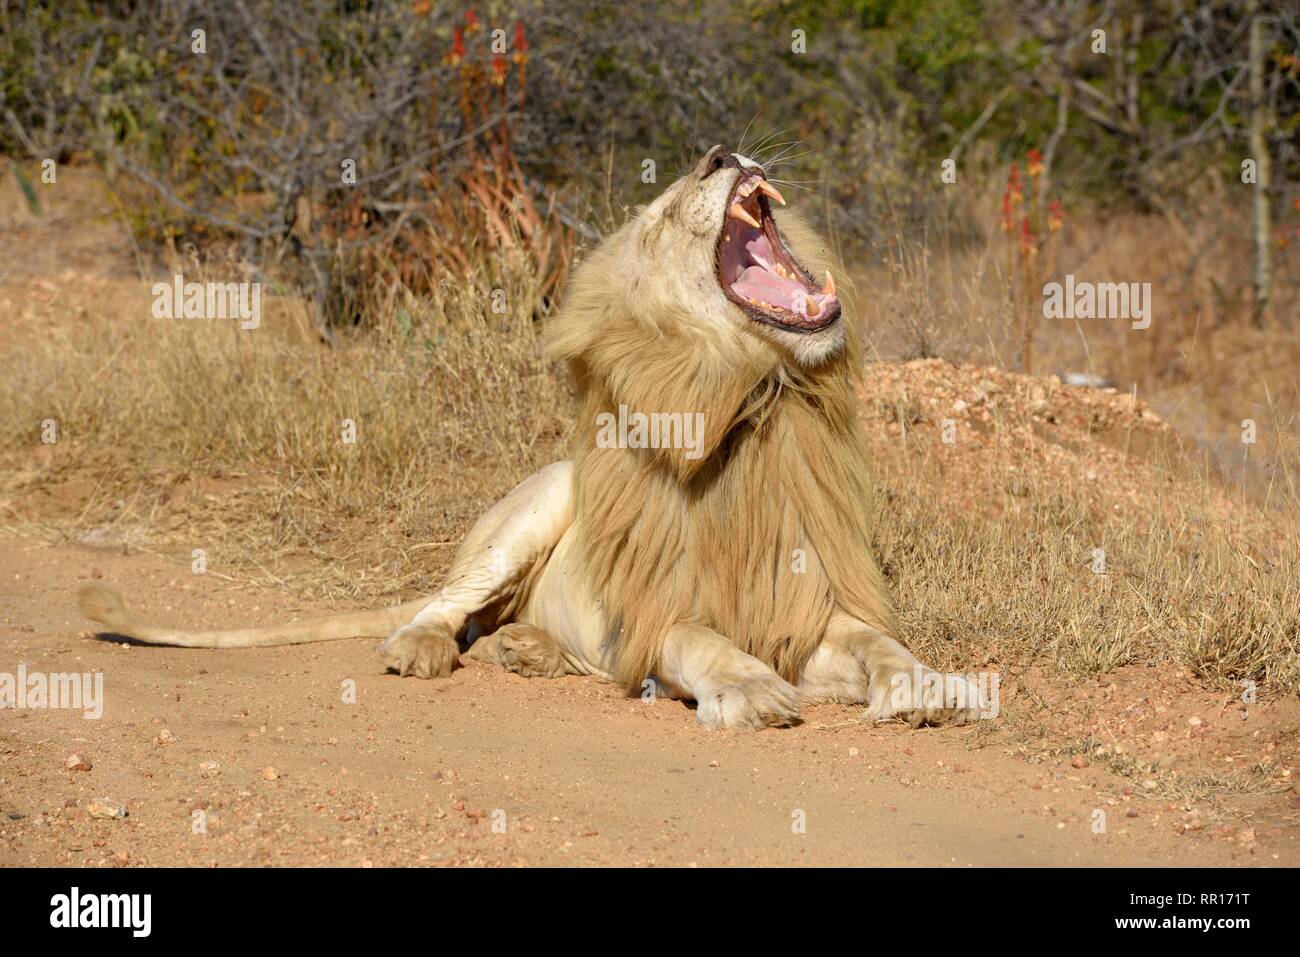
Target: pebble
(269,774)
(106,808)
(77,762)
(1078,761)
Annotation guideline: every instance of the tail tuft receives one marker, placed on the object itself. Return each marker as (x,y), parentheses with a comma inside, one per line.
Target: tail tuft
(104,605)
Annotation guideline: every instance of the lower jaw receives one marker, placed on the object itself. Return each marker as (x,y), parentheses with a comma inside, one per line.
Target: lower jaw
(794,328)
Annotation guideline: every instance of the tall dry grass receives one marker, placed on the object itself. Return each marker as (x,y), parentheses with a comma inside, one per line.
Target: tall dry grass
(184,434)
(966,291)
(1003,576)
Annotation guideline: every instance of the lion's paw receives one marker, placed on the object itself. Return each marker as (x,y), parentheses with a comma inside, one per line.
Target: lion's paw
(749,703)
(920,695)
(424,651)
(523,649)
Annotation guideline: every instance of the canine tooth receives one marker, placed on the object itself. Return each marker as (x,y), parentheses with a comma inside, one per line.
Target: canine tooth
(765,187)
(829,288)
(738,212)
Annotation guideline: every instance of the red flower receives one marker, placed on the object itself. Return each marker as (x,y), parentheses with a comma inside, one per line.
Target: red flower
(457,47)
(1055,215)
(499,70)
(1028,244)
(472,23)
(1035,163)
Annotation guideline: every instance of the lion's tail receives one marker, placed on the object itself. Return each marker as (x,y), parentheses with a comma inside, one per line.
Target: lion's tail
(104,605)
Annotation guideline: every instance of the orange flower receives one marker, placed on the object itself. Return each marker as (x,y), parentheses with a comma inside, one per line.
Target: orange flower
(1055,216)
(499,70)
(1035,163)
(1010,197)
(472,23)
(521,44)
(1028,242)
(457,47)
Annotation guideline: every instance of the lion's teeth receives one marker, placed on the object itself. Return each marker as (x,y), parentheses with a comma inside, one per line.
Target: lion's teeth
(739,212)
(765,187)
(829,288)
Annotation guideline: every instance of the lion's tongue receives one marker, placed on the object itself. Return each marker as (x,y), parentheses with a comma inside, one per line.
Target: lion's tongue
(763,285)
(758,283)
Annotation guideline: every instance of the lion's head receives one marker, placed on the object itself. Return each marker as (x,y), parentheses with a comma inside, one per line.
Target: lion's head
(713,247)
(702,303)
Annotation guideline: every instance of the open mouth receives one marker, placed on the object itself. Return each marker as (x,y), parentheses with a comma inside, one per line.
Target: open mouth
(758,273)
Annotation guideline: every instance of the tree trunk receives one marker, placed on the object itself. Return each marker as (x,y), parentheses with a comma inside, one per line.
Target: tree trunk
(1263,166)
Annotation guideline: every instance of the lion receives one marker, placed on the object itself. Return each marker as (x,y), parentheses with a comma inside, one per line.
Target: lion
(728,564)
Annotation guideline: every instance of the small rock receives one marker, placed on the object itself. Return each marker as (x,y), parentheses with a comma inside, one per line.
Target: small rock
(1078,761)
(106,808)
(77,762)
(164,737)
(268,773)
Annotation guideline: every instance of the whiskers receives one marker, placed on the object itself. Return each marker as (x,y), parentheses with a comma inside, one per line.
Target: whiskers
(772,152)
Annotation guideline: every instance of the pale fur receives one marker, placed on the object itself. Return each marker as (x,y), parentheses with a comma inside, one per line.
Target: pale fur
(783,477)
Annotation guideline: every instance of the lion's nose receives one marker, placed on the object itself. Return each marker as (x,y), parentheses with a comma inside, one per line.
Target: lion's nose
(714,160)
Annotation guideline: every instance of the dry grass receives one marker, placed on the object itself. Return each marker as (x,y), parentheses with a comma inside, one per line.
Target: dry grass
(178,435)
(1203,364)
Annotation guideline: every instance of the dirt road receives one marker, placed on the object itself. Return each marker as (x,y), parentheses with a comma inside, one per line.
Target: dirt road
(489,768)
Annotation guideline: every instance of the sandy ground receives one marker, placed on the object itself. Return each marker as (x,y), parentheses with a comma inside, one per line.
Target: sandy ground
(488,768)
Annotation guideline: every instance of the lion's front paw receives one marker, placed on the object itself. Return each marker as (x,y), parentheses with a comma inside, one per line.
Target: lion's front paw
(523,649)
(920,695)
(424,651)
(750,702)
